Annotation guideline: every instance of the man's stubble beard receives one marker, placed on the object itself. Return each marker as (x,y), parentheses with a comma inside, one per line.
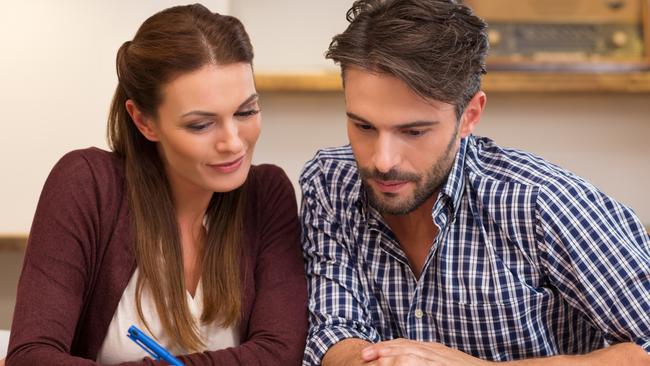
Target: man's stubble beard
(425,187)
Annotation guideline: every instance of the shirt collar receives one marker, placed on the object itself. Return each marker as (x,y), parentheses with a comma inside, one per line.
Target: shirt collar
(453,187)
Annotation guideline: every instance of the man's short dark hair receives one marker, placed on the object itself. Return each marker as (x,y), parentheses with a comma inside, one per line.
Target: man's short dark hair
(437,47)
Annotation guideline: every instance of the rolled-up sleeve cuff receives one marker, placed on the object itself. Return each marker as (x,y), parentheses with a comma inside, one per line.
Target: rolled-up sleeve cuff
(644,343)
(321,341)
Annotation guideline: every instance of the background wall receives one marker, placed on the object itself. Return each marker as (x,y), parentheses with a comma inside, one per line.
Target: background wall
(57,78)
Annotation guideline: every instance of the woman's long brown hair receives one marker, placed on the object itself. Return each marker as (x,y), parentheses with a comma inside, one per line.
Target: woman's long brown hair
(172,42)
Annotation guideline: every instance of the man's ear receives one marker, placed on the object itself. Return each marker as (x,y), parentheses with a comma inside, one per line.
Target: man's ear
(472,114)
(144,123)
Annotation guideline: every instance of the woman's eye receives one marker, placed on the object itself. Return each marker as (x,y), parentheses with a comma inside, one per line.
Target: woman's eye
(247,113)
(196,127)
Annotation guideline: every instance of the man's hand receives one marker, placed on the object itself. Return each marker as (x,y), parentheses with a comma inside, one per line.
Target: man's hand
(404,352)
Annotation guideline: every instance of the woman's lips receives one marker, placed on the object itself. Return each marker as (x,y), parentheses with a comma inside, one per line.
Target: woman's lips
(228,167)
(390,186)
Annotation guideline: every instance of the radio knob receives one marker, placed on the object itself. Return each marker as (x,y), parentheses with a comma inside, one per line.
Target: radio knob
(494,37)
(619,39)
(615,4)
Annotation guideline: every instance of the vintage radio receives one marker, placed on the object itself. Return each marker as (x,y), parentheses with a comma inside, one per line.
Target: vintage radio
(572,35)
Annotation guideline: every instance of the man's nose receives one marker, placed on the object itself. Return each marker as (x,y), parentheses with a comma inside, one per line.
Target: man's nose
(386,155)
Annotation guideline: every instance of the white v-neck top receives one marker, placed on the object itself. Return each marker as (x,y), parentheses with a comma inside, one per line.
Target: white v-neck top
(117,347)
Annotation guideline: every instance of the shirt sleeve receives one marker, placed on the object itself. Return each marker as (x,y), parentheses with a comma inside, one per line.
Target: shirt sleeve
(338,306)
(597,254)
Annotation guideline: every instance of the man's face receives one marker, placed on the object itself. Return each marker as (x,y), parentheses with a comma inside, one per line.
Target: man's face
(404,145)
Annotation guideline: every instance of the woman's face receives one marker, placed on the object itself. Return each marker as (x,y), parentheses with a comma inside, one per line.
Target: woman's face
(206,128)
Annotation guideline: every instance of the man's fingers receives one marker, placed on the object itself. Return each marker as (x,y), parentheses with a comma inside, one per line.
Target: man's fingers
(369,354)
(400,348)
(403,360)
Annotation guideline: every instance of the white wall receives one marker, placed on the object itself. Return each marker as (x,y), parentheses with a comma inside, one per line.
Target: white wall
(57,77)
(291,34)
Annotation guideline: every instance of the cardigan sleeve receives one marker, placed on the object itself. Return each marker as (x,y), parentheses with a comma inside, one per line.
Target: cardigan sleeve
(55,277)
(278,322)
(279,319)
(277,327)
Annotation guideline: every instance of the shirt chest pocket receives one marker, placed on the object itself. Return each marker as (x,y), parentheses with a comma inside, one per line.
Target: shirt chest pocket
(495,271)
(490,310)
(497,331)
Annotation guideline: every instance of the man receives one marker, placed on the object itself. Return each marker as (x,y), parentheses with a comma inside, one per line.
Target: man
(426,245)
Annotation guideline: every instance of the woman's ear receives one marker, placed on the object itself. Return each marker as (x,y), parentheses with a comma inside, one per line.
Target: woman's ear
(472,114)
(144,123)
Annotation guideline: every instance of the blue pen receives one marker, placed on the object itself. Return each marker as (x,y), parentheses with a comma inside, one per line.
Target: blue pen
(154,349)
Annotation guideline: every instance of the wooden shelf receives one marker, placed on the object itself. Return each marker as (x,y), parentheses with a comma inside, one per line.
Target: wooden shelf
(13,242)
(496,82)
(298,82)
(513,82)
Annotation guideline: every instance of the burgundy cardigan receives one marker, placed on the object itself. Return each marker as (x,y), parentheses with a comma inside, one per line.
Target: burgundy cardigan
(80,258)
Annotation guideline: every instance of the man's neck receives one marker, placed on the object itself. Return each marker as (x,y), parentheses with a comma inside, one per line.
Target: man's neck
(415,232)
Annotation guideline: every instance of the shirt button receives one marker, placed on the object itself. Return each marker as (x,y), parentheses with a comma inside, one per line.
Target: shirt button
(419,314)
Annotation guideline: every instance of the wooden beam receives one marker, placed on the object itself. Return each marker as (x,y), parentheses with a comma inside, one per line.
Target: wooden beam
(495,82)
(538,82)
(13,242)
(299,82)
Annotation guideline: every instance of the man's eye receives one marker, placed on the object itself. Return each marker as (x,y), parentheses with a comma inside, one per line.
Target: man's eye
(247,113)
(364,127)
(415,132)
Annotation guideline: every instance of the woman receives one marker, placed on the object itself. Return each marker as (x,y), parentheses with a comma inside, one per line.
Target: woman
(174,230)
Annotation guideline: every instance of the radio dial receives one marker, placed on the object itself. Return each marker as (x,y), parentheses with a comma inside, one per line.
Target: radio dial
(615,4)
(619,39)
(494,37)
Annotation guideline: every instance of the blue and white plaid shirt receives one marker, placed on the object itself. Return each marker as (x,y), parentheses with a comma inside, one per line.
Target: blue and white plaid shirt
(530,260)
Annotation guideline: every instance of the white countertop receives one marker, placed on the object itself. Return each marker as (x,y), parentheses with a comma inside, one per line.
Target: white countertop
(4,341)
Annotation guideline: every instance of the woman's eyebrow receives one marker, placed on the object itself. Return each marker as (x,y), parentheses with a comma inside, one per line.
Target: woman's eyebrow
(200,113)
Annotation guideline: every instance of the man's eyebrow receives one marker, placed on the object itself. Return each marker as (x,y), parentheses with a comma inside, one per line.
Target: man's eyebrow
(200,113)
(414,124)
(357,118)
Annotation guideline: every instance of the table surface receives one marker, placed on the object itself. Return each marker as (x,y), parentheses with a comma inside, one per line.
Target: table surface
(4,341)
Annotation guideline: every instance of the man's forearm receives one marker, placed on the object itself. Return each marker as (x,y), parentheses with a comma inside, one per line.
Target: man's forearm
(623,354)
(345,353)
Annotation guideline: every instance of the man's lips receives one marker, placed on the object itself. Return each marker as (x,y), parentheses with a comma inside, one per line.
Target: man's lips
(390,186)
